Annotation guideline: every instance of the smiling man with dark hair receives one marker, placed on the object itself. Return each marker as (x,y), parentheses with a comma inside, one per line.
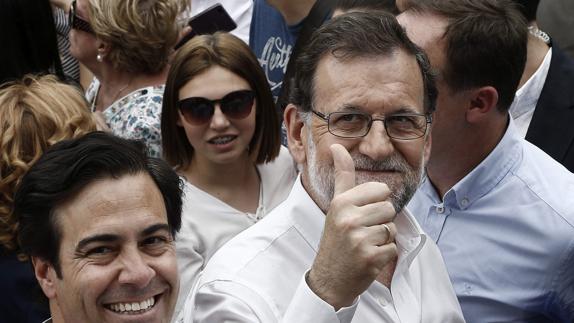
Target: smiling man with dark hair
(98,219)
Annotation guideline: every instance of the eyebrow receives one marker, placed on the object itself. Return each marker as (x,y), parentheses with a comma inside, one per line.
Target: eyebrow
(97,238)
(155,228)
(114,238)
(407,109)
(354,108)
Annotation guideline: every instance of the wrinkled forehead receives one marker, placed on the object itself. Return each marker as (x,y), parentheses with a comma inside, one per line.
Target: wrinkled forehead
(120,205)
(376,83)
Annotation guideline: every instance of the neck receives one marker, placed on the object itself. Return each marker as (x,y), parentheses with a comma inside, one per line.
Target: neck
(293,11)
(55,312)
(115,84)
(206,175)
(462,155)
(536,51)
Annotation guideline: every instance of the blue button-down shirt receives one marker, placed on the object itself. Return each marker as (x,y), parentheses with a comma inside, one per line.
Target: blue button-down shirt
(506,233)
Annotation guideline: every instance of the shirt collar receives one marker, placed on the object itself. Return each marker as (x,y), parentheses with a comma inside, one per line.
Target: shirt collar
(486,175)
(310,221)
(527,96)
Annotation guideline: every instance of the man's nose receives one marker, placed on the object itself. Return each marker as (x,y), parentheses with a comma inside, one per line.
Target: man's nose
(219,119)
(376,144)
(135,269)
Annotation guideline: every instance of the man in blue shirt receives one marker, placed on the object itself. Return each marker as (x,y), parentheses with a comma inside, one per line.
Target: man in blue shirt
(500,209)
(275,26)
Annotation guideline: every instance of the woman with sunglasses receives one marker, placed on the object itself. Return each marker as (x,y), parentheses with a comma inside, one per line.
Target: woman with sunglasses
(126,45)
(222,134)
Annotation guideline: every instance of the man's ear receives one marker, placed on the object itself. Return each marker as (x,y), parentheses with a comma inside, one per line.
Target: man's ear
(46,276)
(295,133)
(427,147)
(481,102)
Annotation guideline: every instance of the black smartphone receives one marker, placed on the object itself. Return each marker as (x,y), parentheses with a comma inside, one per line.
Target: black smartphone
(212,19)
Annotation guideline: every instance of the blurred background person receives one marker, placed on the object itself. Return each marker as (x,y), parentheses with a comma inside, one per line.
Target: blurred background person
(543,108)
(72,69)
(555,17)
(126,45)
(29,37)
(344,6)
(36,113)
(221,133)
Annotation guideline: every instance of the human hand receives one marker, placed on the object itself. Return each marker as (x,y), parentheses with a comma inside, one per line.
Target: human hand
(356,245)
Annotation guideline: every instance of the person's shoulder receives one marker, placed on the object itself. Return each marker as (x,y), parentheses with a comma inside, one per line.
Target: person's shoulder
(282,170)
(548,181)
(248,245)
(273,242)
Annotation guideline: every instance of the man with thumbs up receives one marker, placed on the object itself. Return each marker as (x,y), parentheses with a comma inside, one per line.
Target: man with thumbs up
(342,248)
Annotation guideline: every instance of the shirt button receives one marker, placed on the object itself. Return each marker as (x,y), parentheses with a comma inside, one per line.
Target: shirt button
(440,209)
(383,302)
(464,202)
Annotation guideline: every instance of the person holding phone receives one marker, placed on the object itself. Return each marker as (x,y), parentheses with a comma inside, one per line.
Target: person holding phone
(220,131)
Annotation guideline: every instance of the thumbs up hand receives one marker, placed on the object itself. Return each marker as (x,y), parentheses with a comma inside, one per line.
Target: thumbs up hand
(358,238)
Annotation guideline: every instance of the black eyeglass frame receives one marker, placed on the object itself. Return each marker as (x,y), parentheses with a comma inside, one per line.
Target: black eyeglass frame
(77,22)
(249,95)
(326,118)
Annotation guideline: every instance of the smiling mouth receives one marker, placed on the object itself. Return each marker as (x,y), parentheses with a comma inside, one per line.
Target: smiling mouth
(222,140)
(132,308)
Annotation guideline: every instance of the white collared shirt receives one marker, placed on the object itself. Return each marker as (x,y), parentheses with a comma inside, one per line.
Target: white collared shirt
(259,275)
(524,104)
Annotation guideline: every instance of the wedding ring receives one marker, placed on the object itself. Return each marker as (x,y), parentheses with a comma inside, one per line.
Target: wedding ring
(388,233)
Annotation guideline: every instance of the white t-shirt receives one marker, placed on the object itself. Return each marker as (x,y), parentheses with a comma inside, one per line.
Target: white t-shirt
(208,223)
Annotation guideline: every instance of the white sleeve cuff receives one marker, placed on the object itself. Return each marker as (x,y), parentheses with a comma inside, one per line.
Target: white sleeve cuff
(306,306)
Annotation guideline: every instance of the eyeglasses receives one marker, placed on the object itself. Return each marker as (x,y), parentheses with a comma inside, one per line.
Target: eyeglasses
(76,22)
(402,126)
(235,105)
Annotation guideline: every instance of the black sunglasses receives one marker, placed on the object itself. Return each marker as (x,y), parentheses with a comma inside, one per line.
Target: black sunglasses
(76,22)
(235,105)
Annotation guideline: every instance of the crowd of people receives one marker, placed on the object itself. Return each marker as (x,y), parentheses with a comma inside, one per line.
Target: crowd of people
(327,161)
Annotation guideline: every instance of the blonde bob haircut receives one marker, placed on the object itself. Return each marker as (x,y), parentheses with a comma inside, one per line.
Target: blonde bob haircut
(35,113)
(141,33)
(232,54)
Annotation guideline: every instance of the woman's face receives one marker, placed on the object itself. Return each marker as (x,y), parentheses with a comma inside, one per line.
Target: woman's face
(83,45)
(222,138)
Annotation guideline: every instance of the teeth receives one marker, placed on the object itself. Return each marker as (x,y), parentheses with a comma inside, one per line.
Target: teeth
(222,140)
(132,307)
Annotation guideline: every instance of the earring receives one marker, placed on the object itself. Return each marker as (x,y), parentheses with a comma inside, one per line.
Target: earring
(100,58)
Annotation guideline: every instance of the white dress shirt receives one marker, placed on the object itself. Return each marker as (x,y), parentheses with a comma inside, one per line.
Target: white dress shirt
(524,104)
(258,276)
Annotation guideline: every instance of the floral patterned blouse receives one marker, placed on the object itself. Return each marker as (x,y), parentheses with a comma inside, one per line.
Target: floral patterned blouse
(135,116)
